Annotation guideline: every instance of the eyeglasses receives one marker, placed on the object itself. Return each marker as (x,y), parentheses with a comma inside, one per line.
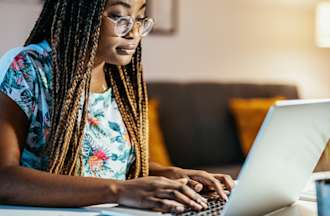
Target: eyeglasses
(125,24)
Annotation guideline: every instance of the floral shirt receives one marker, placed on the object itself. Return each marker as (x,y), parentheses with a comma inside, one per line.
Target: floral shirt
(106,151)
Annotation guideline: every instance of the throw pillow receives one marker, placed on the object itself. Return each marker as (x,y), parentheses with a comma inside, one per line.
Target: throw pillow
(249,115)
(157,148)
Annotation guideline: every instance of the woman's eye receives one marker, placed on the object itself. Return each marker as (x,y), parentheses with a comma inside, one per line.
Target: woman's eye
(115,16)
(141,18)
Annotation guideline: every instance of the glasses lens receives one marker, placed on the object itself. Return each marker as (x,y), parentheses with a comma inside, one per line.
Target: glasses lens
(124,25)
(146,27)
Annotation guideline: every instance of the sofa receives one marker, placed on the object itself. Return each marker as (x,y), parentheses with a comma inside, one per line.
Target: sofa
(198,128)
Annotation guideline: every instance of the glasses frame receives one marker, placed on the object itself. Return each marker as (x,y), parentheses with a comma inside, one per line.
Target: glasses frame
(132,22)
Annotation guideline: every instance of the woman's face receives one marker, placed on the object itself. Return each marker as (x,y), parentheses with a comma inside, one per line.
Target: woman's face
(112,48)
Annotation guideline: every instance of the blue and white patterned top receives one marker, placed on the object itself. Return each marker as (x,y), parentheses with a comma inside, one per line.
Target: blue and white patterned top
(107,151)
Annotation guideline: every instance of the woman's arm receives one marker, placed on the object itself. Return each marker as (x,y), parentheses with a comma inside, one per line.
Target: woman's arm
(19,185)
(23,186)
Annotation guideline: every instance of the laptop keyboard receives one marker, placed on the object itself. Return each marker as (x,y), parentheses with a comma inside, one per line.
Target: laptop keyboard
(215,204)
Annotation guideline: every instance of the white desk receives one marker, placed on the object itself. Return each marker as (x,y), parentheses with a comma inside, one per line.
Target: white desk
(300,208)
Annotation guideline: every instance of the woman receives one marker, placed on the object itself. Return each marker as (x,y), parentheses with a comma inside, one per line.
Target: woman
(74,128)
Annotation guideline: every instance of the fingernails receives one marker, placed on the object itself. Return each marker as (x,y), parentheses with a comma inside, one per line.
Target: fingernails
(201,199)
(183,180)
(179,209)
(198,187)
(198,206)
(204,204)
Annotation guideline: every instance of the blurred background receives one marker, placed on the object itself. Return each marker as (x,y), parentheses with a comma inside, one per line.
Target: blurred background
(206,53)
(225,40)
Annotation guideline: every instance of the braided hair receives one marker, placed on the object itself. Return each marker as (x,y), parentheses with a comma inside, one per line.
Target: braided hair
(72,27)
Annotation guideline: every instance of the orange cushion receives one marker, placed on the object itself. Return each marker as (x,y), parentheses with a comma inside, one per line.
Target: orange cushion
(249,115)
(324,162)
(157,148)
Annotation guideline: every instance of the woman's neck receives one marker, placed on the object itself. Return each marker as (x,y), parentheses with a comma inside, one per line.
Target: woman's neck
(98,81)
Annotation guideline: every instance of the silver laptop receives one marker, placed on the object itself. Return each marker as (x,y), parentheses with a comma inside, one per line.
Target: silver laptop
(287,148)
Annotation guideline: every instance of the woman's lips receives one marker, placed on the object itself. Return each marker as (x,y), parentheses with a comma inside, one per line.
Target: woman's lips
(126,50)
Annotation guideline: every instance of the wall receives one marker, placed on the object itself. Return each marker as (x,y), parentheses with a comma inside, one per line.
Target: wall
(16,21)
(220,40)
(247,41)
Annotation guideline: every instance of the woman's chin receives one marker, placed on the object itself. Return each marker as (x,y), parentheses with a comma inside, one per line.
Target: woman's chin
(121,60)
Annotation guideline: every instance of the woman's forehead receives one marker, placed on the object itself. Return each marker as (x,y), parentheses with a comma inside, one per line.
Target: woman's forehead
(127,3)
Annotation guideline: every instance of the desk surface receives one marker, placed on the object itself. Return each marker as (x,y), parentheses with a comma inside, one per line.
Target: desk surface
(300,208)
(305,207)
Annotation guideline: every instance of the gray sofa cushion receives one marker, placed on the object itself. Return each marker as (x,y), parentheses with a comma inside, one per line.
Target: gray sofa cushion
(198,128)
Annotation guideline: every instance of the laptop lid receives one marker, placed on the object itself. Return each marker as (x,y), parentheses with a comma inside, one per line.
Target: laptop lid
(285,152)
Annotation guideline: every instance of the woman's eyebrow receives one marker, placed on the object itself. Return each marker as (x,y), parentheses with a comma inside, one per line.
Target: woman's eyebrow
(143,6)
(124,3)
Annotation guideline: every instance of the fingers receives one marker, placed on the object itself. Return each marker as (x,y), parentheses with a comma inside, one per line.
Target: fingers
(164,205)
(166,183)
(198,187)
(186,190)
(183,180)
(180,186)
(195,201)
(226,180)
(181,198)
(218,187)
(211,181)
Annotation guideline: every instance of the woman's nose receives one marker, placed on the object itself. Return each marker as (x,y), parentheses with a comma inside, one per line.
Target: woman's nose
(134,33)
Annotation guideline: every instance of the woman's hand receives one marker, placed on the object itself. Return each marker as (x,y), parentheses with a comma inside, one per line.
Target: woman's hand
(197,179)
(159,193)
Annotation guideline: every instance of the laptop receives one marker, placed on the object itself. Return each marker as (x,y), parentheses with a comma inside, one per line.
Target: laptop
(284,154)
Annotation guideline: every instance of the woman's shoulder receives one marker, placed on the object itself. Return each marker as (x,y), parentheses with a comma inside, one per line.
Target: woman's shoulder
(27,72)
(30,56)
(30,62)
(41,49)
(33,55)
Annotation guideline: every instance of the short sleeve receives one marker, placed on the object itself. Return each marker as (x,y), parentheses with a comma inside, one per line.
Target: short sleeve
(19,83)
